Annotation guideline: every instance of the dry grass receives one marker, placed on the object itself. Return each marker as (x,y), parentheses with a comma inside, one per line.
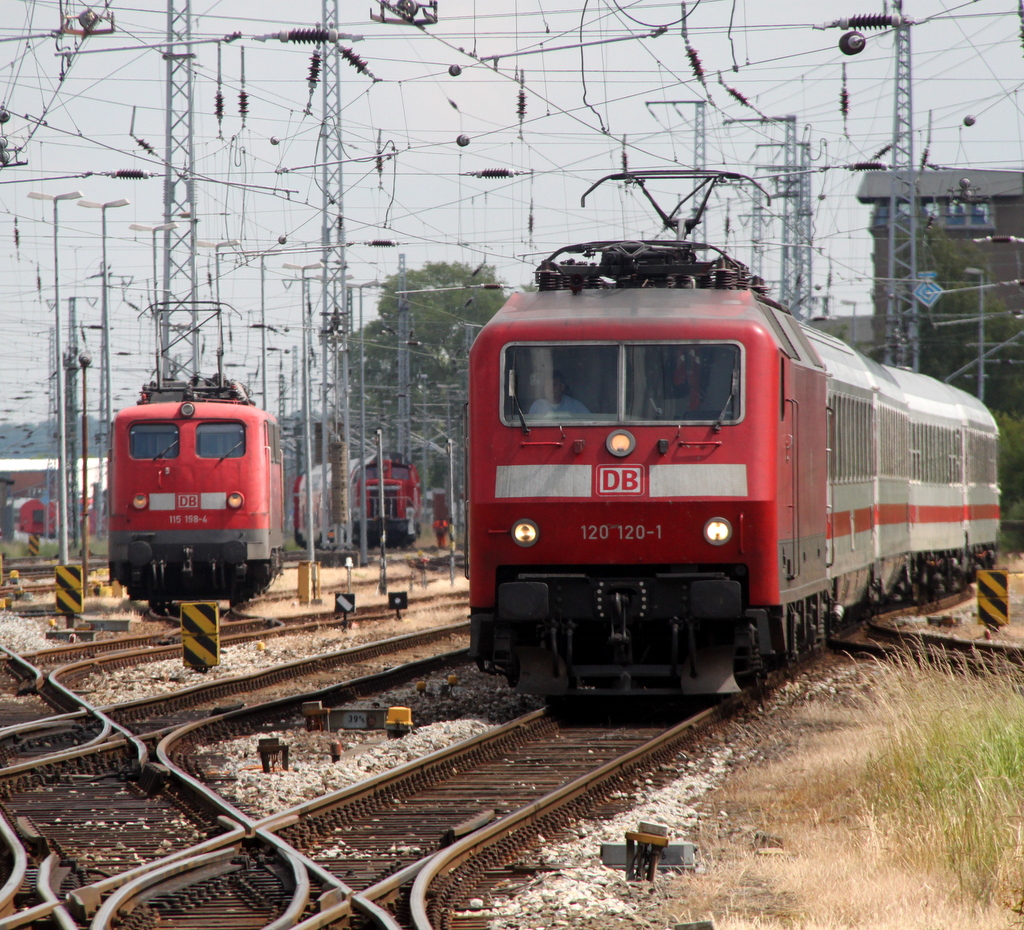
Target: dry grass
(903,814)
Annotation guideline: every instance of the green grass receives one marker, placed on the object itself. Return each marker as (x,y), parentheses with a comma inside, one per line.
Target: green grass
(947,786)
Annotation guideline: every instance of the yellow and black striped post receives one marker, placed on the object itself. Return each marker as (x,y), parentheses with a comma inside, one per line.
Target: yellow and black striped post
(200,634)
(68,588)
(993,598)
(33,545)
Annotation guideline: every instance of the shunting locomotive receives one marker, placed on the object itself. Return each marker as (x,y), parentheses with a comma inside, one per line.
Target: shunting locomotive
(674,485)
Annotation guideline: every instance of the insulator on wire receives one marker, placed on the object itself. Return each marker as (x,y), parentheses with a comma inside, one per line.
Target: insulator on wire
(867,166)
(308,36)
(314,71)
(521,102)
(884,150)
(130,174)
(872,21)
(698,68)
(382,243)
(243,97)
(625,156)
(492,173)
(145,146)
(17,234)
(353,59)
(218,100)
(844,101)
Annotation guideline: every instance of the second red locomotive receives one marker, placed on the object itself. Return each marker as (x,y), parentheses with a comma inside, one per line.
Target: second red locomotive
(196,496)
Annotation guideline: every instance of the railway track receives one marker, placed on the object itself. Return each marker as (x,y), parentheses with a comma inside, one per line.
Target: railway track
(406,849)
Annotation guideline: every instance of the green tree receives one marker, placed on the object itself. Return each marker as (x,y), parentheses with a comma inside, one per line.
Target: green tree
(945,349)
(452,302)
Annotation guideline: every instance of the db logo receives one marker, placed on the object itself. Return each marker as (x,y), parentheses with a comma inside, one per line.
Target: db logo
(188,501)
(620,479)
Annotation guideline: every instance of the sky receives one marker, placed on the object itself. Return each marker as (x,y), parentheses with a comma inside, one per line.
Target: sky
(586,109)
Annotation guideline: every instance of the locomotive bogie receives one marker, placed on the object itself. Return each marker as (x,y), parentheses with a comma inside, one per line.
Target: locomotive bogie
(196,501)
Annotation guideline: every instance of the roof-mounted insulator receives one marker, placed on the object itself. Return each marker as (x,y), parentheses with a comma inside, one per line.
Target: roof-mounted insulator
(867,166)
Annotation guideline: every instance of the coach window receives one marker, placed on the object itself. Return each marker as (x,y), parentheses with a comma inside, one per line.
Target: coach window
(153,441)
(688,381)
(220,440)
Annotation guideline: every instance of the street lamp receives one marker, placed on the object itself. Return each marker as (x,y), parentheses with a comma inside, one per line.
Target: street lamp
(62,427)
(105,398)
(307,310)
(980,272)
(163,334)
(217,246)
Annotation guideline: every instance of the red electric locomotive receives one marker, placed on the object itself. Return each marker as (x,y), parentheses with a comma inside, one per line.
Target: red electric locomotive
(402,503)
(196,496)
(655,453)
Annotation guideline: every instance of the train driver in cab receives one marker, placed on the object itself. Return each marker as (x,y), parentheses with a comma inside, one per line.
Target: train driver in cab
(557,399)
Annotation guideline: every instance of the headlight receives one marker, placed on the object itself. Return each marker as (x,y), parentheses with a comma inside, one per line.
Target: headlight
(235,500)
(718,531)
(525,532)
(140,501)
(620,442)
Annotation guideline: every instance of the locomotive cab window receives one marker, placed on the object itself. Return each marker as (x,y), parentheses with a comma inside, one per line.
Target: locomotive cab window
(220,440)
(555,382)
(682,382)
(633,383)
(153,441)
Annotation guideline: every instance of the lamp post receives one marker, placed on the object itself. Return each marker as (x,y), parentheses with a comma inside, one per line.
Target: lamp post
(363,554)
(163,332)
(217,246)
(106,404)
(85,360)
(980,272)
(62,427)
(307,311)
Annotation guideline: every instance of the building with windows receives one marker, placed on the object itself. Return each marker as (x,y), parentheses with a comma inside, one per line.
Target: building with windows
(992,204)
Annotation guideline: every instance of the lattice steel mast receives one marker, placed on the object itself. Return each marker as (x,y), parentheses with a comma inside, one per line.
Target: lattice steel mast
(179,188)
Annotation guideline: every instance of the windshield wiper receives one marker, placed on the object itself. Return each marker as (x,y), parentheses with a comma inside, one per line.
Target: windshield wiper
(515,397)
(728,405)
(232,449)
(164,452)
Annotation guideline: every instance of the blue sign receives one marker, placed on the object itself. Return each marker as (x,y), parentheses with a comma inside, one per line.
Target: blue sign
(928,292)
